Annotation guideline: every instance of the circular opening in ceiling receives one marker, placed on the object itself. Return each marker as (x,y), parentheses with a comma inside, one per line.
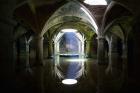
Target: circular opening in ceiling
(69,81)
(95,2)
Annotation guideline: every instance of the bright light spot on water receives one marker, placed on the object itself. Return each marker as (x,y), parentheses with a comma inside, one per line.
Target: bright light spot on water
(69,81)
(76,60)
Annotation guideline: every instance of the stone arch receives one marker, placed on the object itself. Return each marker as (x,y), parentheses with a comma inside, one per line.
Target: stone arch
(71,9)
(110,16)
(117,31)
(75,12)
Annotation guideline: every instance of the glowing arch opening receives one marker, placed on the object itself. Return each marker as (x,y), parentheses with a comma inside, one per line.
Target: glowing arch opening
(68,30)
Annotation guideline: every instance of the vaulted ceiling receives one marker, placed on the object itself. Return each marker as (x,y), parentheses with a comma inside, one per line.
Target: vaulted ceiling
(35,13)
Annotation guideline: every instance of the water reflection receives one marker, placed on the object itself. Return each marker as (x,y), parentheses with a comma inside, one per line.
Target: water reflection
(70,67)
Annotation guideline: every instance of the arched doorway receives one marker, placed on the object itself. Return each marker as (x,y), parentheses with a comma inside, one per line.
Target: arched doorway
(69,53)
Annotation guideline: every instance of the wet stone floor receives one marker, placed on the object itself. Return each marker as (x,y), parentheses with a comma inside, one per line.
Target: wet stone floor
(48,78)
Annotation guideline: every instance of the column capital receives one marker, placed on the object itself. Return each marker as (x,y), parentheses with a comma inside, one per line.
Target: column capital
(100,37)
(38,36)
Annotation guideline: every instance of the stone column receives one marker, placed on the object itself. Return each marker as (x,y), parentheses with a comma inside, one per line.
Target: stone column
(17,53)
(45,48)
(88,48)
(124,61)
(101,51)
(113,56)
(28,53)
(39,65)
(7,64)
(21,53)
(101,65)
(39,49)
(50,49)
